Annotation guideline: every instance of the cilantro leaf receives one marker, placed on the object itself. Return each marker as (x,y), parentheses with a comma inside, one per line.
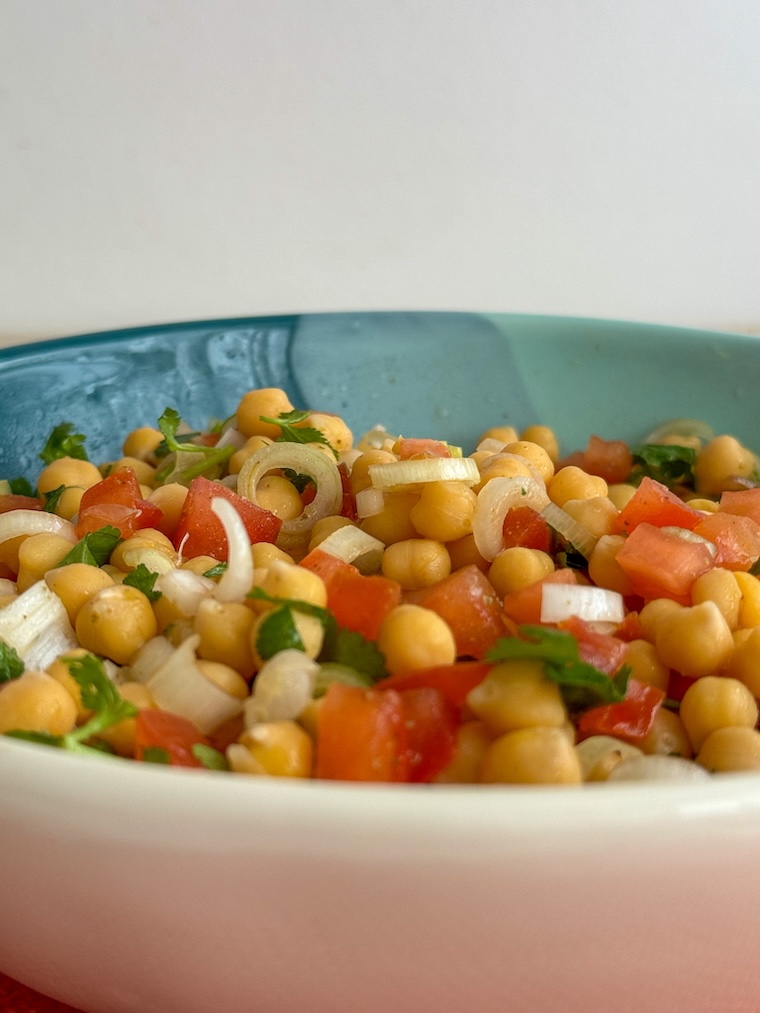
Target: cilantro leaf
(216,571)
(64,442)
(94,548)
(52,499)
(582,684)
(669,465)
(186,460)
(144,580)
(331,672)
(209,757)
(278,632)
(154,754)
(22,486)
(11,665)
(292,432)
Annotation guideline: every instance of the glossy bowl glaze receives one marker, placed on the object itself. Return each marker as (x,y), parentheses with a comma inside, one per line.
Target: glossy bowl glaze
(129,888)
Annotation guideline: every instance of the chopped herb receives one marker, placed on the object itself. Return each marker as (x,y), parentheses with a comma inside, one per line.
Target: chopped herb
(53,498)
(582,684)
(572,559)
(100,696)
(64,442)
(144,580)
(299,481)
(11,665)
(186,460)
(292,432)
(216,571)
(670,465)
(209,757)
(22,487)
(278,632)
(94,548)
(755,568)
(154,754)
(330,672)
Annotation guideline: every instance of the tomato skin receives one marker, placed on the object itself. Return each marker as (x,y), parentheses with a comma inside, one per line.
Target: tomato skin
(741,503)
(630,720)
(431,726)
(467,601)
(116,501)
(199,531)
(663,565)
(416,448)
(602,650)
(348,502)
(453,682)
(608,459)
(362,736)
(524,606)
(653,503)
(14,501)
(736,537)
(525,527)
(159,729)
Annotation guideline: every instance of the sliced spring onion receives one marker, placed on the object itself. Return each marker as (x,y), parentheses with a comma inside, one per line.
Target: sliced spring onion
(429,469)
(353,545)
(568,528)
(593,604)
(181,687)
(154,559)
(686,428)
(34,522)
(237,579)
(304,460)
(658,768)
(185,589)
(37,626)
(369,502)
(490,446)
(495,500)
(282,688)
(149,658)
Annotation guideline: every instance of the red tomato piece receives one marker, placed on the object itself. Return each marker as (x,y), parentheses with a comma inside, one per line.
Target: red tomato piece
(524,606)
(601,650)
(358,602)
(608,459)
(653,503)
(14,501)
(199,531)
(467,601)
(431,726)
(630,628)
(175,735)
(742,503)
(663,565)
(525,527)
(630,719)
(362,735)
(413,449)
(678,684)
(116,501)
(452,681)
(736,537)
(348,505)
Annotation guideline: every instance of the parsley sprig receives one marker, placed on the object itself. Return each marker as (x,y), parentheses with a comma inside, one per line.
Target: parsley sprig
(291,431)
(64,442)
(11,664)
(668,464)
(94,548)
(179,467)
(144,580)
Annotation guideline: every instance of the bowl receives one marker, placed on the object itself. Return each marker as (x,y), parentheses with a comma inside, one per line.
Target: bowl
(132,887)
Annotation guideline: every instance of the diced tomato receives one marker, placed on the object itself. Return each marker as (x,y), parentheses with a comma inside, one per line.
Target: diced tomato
(116,501)
(525,527)
(358,602)
(524,606)
(678,684)
(630,719)
(601,650)
(308,493)
(575,460)
(736,537)
(630,628)
(663,565)
(467,601)
(609,459)
(348,504)
(452,681)
(199,531)
(653,503)
(431,725)
(362,735)
(410,449)
(14,501)
(742,503)
(175,735)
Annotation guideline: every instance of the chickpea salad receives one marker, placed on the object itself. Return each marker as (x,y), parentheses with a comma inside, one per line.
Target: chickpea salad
(269,596)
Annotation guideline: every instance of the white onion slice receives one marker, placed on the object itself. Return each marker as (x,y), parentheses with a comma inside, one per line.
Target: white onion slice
(495,500)
(428,469)
(691,536)
(566,526)
(154,559)
(282,688)
(369,502)
(34,522)
(592,604)
(237,579)
(305,460)
(7,587)
(181,687)
(353,545)
(231,438)
(490,446)
(37,626)
(149,658)
(658,768)
(185,589)
(686,428)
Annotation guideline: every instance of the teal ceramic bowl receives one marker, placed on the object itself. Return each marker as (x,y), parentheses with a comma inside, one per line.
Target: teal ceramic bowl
(132,888)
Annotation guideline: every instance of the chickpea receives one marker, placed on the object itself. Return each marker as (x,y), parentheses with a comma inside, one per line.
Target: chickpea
(645,664)
(121,736)
(263,553)
(716,702)
(414,637)
(719,586)
(251,446)
(731,749)
(268,401)
(603,567)
(503,434)
(287,580)
(416,563)
(275,749)
(503,465)
(59,670)
(67,471)
(667,736)
(517,567)
(332,427)
(573,483)
(599,754)
(37,554)
(225,630)
(280,497)
(535,455)
(36,702)
(144,471)
(696,641)
(359,478)
(75,584)
(620,493)
(115,622)
(225,677)
(653,613)
(472,742)
(444,511)
(394,522)
(140,547)
(69,502)
(720,463)
(545,438)
(515,695)
(464,552)
(142,443)
(170,499)
(745,660)
(531,756)
(596,514)
(324,527)
(749,605)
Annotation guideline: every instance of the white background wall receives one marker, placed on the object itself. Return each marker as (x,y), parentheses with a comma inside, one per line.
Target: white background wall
(177,159)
